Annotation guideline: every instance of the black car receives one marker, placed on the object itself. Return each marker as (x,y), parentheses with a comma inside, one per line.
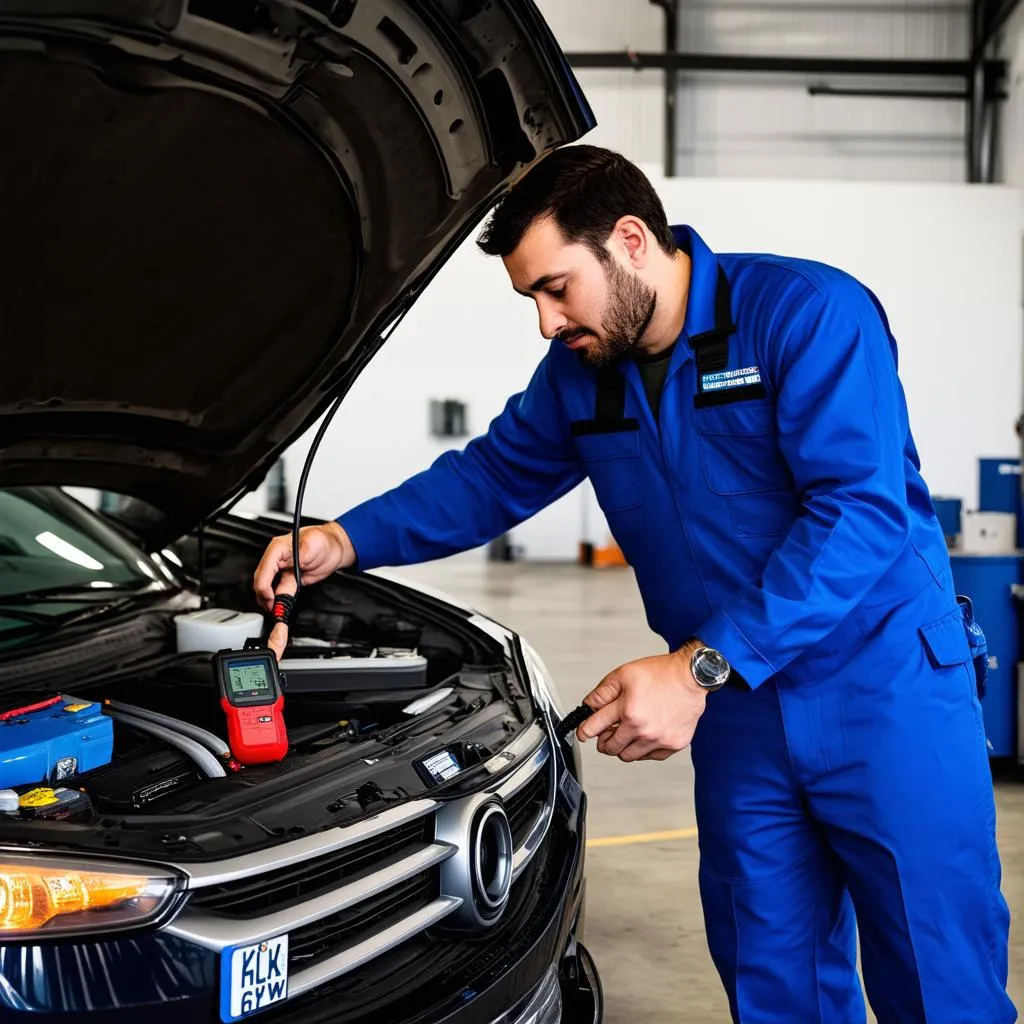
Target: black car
(214,212)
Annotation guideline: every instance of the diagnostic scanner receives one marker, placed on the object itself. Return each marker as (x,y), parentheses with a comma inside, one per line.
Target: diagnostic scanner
(253,702)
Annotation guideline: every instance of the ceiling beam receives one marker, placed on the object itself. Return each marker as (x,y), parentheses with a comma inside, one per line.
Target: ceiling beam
(722,62)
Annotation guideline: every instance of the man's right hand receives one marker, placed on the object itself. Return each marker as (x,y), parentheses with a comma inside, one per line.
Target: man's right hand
(322,550)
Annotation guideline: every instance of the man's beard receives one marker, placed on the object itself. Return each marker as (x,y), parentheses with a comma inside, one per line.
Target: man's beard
(630,308)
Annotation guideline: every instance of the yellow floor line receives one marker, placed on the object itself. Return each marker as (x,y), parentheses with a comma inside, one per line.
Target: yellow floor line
(643,837)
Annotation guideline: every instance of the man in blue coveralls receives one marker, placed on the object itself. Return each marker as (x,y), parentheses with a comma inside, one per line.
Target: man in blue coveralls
(743,425)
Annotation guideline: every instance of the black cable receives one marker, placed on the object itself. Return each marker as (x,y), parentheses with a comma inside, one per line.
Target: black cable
(307,465)
(573,720)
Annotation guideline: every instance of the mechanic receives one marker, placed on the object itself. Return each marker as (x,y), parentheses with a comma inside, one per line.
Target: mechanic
(744,428)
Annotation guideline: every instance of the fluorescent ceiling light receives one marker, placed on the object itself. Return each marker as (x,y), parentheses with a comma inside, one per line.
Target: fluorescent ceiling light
(61,547)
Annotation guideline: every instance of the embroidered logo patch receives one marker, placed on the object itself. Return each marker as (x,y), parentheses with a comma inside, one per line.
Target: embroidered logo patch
(730,379)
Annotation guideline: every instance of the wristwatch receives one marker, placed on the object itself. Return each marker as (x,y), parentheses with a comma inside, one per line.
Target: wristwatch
(709,668)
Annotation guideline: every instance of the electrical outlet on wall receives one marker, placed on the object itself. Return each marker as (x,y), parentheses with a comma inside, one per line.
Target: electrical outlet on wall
(448,418)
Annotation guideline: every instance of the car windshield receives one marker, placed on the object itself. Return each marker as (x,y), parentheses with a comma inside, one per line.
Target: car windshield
(56,554)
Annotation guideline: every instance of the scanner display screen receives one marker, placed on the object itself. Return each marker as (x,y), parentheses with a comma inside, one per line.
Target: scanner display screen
(248,678)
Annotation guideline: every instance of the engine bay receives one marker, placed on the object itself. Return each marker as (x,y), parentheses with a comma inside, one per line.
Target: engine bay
(382,701)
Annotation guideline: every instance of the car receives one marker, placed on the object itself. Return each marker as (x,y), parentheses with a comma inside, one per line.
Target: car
(218,211)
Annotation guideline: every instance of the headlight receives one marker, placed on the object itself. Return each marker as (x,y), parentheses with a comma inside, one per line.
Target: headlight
(41,896)
(541,683)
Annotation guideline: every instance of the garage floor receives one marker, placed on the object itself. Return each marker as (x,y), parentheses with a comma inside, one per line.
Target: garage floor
(645,927)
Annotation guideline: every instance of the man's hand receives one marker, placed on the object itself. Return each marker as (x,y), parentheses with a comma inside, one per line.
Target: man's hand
(646,710)
(322,550)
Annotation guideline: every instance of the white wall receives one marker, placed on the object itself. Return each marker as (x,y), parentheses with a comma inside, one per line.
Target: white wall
(471,338)
(945,260)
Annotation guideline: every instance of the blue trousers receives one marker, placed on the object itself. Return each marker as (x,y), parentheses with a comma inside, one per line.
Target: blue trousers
(859,803)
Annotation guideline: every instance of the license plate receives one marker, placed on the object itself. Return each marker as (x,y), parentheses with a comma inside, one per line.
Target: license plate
(253,977)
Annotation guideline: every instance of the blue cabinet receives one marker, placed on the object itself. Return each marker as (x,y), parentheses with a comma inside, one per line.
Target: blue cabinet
(988,580)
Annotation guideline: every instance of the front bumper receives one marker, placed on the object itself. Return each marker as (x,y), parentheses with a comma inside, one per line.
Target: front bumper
(570,993)
(507,980)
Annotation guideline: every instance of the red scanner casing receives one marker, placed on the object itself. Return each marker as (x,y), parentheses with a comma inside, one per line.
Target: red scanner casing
(256,735)
(252,699)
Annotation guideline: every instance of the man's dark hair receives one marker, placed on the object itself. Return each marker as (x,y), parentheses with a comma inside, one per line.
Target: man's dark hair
(587,190)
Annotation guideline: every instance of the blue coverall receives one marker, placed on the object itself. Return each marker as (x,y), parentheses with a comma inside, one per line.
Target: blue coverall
(776,511)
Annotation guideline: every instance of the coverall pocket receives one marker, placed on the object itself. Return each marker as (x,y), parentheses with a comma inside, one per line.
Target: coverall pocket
(739,449)
(948,646)
(740,456)
(946,641)
(612,462)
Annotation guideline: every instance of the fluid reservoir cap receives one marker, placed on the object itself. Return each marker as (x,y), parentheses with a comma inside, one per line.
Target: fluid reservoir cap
(9,801)
(216,629)
(75,708)
(41,797)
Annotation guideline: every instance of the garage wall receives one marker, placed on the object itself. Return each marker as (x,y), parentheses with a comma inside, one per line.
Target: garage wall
(1010,166)
(770,126)
(629,107)
(944,259)
(744,125)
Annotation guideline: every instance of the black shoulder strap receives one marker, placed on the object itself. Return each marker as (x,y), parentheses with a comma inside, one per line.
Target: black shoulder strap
(610,400)
(712,347)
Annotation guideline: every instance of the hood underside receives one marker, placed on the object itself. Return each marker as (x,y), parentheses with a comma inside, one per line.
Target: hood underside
(213,209)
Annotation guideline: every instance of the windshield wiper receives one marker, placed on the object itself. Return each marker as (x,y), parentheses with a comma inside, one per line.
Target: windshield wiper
(37,618)
(40,622)
(65,593)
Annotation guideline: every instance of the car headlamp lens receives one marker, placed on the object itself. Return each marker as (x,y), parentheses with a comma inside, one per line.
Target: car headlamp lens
(44,898)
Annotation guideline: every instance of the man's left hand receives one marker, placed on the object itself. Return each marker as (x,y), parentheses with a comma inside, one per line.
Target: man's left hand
(646,710)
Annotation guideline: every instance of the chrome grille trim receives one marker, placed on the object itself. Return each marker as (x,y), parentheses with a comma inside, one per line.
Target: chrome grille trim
(216,932)
(355,956)
(523,854)
(530,738)
(286,854)
(539,759)
(525,773)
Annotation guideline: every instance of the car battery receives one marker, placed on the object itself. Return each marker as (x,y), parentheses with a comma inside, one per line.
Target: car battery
(52,740)
(347,668)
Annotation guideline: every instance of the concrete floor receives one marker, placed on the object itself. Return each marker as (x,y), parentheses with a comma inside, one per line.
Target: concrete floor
(645,927)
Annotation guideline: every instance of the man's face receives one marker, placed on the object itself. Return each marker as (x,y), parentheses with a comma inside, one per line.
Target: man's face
(599,309)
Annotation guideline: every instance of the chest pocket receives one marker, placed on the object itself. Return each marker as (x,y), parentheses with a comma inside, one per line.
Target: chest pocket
(739,448)
(741,461)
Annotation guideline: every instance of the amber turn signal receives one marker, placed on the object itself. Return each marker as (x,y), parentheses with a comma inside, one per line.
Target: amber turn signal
(38,896)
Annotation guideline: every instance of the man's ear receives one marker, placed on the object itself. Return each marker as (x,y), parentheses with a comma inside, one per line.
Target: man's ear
(632,239)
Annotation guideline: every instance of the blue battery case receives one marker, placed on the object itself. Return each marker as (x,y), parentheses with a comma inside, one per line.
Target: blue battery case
(52,743)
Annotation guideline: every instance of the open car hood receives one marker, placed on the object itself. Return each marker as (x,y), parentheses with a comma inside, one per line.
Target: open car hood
(213,209)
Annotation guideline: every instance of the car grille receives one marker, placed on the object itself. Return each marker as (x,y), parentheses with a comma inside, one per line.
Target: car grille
(247,897)
(524,806)
(418,981)
(363,921)
(350,897)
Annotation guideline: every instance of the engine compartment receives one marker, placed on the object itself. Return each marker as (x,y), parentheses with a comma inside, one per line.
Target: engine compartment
(389,683)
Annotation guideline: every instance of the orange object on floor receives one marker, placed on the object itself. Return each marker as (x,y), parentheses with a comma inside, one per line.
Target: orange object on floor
(601,557)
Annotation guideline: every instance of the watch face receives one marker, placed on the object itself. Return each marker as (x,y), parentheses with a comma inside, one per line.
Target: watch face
(710,668)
